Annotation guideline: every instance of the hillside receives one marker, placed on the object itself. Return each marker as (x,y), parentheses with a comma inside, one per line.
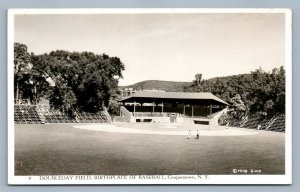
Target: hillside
(171,85)
(175,86)
(158,85)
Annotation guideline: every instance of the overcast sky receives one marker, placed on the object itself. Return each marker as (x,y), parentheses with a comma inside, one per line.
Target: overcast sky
(164,46)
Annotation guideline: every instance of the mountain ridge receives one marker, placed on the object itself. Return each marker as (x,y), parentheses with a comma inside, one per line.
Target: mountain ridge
(158,85)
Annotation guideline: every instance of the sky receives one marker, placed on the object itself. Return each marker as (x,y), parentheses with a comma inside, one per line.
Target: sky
(170,47)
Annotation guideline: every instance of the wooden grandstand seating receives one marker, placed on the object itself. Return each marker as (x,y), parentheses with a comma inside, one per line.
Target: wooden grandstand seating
(276,123)
(32,114)
(26,114)
(99,117)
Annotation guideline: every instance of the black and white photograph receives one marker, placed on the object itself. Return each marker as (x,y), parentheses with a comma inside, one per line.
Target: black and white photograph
(149,96)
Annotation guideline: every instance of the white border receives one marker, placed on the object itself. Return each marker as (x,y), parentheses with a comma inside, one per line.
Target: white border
(212,179)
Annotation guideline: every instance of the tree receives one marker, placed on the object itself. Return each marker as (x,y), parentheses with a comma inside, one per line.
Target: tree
(70,80)
(269,105)
(268,91)
(22,66)
(238,106)
(259,91)
(198,79)
(83,81)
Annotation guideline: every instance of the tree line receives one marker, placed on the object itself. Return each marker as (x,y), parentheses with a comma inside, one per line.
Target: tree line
(259,91)
(82,81)
(85,81)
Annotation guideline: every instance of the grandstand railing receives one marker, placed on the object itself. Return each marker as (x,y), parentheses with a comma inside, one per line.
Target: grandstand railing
(164,114)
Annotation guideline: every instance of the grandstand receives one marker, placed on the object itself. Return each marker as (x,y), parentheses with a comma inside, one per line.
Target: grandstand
(38,114)
(99,117)
(27,114)
(161,106)
(256,121)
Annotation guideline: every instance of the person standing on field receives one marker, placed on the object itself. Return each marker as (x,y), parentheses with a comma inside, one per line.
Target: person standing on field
(189,134)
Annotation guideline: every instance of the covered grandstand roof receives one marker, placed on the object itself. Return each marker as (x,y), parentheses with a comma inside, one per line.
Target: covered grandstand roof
(180,97)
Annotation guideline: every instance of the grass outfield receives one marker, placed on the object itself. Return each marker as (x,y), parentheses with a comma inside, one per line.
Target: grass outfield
(60,149)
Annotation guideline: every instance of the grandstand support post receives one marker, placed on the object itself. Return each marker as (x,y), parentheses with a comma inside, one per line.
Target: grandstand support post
(192,111)
(183,109)
(153,107)
(210,109)
(134,108)
(162,107)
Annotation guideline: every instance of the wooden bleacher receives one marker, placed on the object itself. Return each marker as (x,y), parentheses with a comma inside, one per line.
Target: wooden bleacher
(99,117)
(26,114)
(275,123)
(37,114)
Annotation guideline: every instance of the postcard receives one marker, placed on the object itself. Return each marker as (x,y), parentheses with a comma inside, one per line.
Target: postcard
(149,96)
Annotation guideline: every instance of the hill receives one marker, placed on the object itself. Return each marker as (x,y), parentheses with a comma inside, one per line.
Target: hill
(159,85)
(175,86)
